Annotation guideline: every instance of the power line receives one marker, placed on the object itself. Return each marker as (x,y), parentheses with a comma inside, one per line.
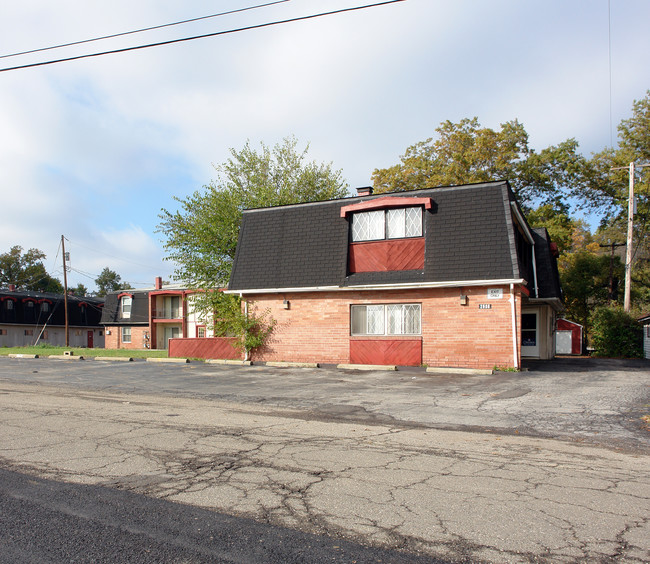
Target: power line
(152,268)
(142,30)
(215,34)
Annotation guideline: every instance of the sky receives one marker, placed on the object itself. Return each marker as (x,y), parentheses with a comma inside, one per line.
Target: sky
(93,149)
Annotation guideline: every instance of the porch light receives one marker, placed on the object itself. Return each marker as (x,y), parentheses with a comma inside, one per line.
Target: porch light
(286,304)
(463,300)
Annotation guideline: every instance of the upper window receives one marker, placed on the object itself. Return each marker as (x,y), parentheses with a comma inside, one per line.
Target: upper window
(387,224)
(125,306)
(388,319)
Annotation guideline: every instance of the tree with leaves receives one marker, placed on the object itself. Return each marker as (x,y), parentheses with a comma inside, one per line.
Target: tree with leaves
(109,281)
(465,152)
(26,271)
(201,237)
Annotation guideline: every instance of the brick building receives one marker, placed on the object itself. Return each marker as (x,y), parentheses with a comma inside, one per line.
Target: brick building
(447,277)
(29,318)
(148,318)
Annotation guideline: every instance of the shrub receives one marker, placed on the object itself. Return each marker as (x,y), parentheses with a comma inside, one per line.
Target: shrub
(615,333)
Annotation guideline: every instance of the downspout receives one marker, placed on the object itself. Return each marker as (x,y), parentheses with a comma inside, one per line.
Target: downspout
(241,296)
(535,270)
(513,309)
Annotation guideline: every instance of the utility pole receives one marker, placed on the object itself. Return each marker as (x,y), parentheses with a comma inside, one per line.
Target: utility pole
(65,292)
(630,233)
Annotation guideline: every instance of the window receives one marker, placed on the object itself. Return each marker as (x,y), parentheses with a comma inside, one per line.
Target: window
(172,307)
(44,335)
(29,312)
(389,319)
(387,224)
(29,332)
(125,307)
(45,307)
(126,334)
(200,332)
(3,331)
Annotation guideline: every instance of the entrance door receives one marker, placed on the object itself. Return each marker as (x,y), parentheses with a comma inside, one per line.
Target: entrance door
(90,339)
(529,333)
(171,333)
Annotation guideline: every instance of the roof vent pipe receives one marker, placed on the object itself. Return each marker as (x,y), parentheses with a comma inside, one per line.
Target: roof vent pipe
(365,191)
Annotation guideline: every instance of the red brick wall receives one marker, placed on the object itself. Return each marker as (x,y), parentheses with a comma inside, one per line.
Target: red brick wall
(114,340)
(316,327)
(208,347)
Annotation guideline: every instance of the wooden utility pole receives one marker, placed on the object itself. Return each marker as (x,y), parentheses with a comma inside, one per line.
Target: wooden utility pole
(65,292)
(630,231)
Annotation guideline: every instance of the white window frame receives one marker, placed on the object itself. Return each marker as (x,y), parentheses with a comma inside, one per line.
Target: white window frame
(385,230)
(126,331)
(388,320)
(124,302)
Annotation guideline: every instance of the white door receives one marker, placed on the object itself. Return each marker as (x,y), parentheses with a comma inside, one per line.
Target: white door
(563,342)
(530,334)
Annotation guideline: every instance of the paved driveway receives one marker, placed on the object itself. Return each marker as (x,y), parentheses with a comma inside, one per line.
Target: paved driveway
(597,401)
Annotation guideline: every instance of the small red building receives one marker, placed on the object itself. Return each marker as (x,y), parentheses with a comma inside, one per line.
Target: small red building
(568,337)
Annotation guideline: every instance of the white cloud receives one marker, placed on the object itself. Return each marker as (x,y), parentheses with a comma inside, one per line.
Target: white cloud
(94,148)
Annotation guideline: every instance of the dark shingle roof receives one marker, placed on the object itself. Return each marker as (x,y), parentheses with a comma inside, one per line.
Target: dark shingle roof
(56,313)
(468,236)
(548,278)
(139,308)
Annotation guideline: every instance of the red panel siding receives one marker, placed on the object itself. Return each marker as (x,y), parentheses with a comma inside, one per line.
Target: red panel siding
(403,352)
(395,254)
(212,347)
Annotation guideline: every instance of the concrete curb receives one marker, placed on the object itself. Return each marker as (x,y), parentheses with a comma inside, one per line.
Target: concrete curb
(230,361)
(385,367)
(65,357)
(283,364)
(19,355)
(469,371)
(115,358)
(172,360)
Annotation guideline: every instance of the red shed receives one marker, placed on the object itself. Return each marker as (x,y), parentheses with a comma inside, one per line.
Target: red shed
(568,337)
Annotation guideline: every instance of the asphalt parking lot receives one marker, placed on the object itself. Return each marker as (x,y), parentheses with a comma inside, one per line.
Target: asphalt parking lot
(595,401)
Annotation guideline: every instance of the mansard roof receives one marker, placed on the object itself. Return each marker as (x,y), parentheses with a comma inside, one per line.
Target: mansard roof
(469,231)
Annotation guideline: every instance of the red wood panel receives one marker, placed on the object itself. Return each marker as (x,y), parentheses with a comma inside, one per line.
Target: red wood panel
(403,352)
(393,254)
(211,347)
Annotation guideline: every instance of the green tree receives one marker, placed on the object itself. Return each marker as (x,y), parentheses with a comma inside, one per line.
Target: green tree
(26,271)
(605,192)
(79,290)
(465,152)
(569,234)
(615,333)
(109,281)
(585,279)
(201,237)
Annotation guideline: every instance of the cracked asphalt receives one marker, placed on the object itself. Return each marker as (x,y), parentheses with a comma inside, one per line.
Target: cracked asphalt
(549,465)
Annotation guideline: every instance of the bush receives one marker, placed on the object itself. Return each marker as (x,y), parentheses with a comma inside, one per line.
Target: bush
(615,333)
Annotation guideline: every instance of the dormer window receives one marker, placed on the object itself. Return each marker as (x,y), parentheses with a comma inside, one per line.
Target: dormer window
(391,223)
(125,307)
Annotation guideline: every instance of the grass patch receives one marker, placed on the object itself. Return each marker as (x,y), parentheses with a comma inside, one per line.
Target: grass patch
(46,350)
